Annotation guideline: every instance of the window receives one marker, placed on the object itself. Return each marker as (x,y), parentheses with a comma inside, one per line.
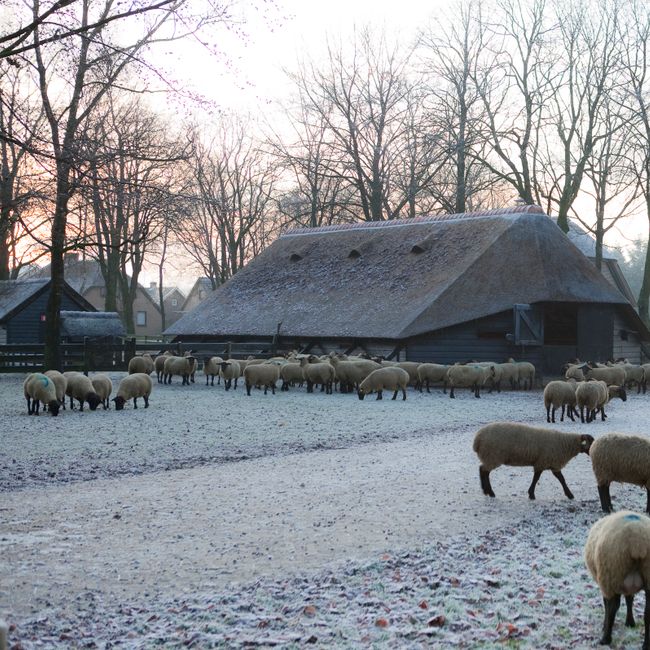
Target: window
(141,318)
(174,302)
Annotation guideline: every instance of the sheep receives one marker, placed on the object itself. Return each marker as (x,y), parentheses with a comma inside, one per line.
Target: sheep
(389,378)
(291,373)
(350,373)
(39,388)
(229,370)
(60,383)
(611,376)
(526,374)
(133,386)
(159,365)
(612,391)
(617,554)
(141,364)
(575,371)
(634,375)
(193,364)
(509,374)
(590,395)
(261,375)
(81,388)
(560,394)
(432,372)
(182,366)
(520,445)
(473,377)
(646,375)
(322,373)
(104,387)
(211,368)
(621,458)
(412,368)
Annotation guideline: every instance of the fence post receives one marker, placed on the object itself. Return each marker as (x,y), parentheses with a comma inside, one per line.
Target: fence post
(4,630)
(131,349)
(228,350)
(86,361)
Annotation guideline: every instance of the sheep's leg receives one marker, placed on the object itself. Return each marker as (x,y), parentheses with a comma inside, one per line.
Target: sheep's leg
(444,386)
(146,401)
(451,392)
(646,620)
(531,489)
(248,389)
(394,397)
(605,498)
(629,616)
(29,405)
(558,475)
(273,388)
(484,475)
(611,607)
(379,395)
(569,412)
(549,417)
(603,417)
(647,503)
(135,402)
(403,394)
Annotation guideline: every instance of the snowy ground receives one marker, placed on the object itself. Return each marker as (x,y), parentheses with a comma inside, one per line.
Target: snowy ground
(214,519)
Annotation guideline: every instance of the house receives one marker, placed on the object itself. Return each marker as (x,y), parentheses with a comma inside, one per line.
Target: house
(101,325)
(201,289)
(173,301)
(485,286)
(85,276)
(22,309)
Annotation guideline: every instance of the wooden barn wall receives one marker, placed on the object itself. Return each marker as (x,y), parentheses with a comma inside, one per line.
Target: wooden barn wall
(26,326)
(628,348)
(595,332)
(479,340)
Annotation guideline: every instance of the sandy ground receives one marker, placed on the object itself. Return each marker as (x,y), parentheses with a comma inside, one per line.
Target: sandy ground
(269,488)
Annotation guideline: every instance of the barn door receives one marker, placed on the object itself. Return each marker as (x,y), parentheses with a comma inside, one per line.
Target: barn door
(529,325)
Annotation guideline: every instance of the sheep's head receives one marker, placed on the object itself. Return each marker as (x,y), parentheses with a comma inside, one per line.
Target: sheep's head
(119,402)
(54,407)
(361,393)
(585,443)
(617,391)
(93,400)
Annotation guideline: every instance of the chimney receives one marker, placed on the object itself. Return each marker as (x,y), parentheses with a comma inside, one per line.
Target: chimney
(69,258)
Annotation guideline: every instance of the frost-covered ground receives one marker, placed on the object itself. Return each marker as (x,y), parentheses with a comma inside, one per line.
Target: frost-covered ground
(213,519)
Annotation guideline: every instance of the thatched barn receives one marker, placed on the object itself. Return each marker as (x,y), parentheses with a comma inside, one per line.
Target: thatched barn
(484,286)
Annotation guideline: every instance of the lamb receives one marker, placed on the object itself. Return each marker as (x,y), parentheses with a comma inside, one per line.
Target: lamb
(261,375)
(229,370)
(81,388)
(350,373)
(211,368)
(322,373)
(159,364)
(40,388)
(133,386)
(520,445)
(104,387)
(60,383)
(182,366)
(388,378)
(611,376)
(617,554)
(473,377)
(621,458)
(560,394)
(141,364)
(432,372)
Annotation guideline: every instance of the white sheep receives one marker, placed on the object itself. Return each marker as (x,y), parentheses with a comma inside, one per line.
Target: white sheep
(520,445)
(351,372)
(291,374)
(211,368)
(617,554)
(261,374)
(81,388)
(39,388)
(575,371)
(589,396)
(614,375)
(389,378)
(469,376)
(525,374)
(429,373)
(181,366)
(159,365)
(229,370)
(321,372)
(560,394)
(634,375)
(621,458)
(142,363)
(133,386)
(60,383)
(104,387)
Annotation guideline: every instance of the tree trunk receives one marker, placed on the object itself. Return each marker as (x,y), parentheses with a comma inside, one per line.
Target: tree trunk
(644,293)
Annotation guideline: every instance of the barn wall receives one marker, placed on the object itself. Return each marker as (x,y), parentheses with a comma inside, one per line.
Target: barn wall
(27,327)
(627,344)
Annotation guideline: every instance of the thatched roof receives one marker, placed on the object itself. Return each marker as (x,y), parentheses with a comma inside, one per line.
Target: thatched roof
(14,293)
(91,324)
(397,279)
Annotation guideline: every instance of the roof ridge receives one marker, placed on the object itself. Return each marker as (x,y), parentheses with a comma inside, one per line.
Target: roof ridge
(435,218)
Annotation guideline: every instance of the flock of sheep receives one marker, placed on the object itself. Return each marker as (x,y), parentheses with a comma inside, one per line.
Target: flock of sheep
(617,552)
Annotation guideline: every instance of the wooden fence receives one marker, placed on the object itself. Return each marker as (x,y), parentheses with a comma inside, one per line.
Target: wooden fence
(91,355)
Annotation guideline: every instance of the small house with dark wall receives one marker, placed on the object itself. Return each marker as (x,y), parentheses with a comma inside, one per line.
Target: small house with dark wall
(100,326)
(483,286)
(22,309)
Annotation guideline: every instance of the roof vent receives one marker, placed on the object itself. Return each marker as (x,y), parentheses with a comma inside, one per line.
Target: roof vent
(417,249)
(354,254)
(295,257)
